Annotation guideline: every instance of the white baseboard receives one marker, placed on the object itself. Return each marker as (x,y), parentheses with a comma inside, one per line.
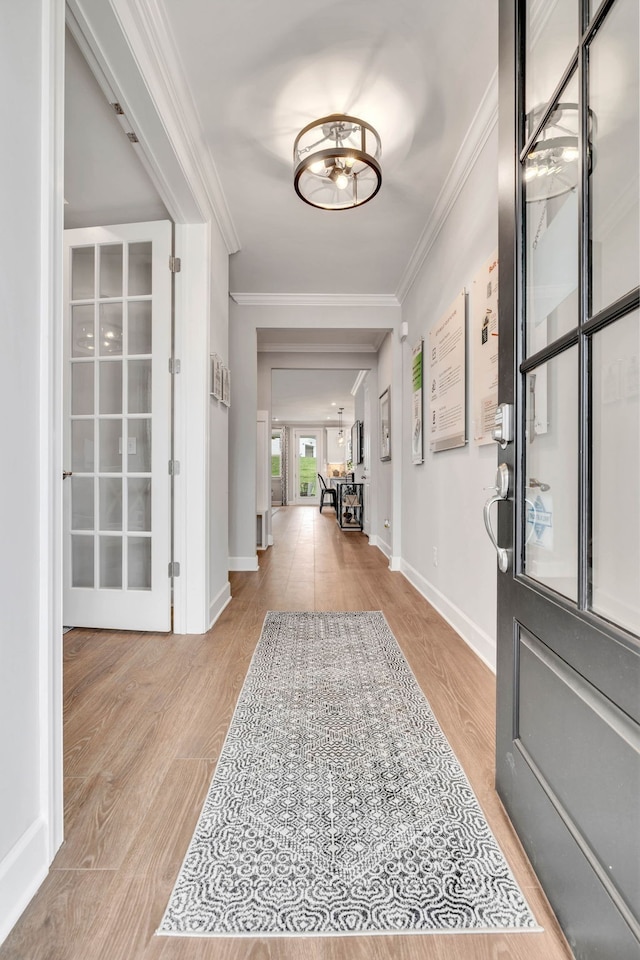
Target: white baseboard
(383,547)
(395,563)
(21,873)
(238,564)
(479,641)
(219,603)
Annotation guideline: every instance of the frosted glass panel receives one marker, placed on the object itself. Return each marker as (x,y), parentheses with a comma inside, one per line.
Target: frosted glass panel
(616,472)
(615,172)
(111,270)
(139,386)
(139,559)
(110,329)
(82,446)
(139,505)
(139,269)
(110,503)
(83,273)
(551,452)
(110,446)
(82,506)
(83,341)
(82,561)
(139,460)
(110,386)
(139,326)
(111,563)
(82,388)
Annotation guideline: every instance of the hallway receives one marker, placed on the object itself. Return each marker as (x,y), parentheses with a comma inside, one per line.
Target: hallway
(145,719)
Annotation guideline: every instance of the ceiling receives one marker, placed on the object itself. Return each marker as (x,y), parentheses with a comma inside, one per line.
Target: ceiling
(313,396)
(257,73)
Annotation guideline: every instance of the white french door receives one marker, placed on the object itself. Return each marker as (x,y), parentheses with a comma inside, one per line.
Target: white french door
(117,427)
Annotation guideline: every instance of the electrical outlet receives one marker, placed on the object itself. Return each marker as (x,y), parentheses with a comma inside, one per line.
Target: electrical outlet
(435,556)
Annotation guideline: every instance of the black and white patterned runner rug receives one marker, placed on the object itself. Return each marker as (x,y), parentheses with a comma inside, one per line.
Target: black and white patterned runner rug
(337,805)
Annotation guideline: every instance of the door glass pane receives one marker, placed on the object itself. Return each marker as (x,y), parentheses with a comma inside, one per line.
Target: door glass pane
(110,329)
(110,503)
(139,372)
(83,341)
(111,386)
(82,388)
(551,37)
(615,168)
(551,213)
(616,472)
(111,563)
(140,504)
(139,326)
(139,460)
(82,273)
(139,269)
(551,471)
(307,466)
(82,561)
(82,446)
(111,270)
(82,503)
(139,563)
(111,446)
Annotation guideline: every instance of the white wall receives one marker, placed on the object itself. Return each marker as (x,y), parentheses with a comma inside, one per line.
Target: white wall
(443,498)
(31,70)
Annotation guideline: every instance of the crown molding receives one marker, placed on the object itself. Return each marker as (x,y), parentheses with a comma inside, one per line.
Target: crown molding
(149,38)
(317,348)
(480,129)
(315,299)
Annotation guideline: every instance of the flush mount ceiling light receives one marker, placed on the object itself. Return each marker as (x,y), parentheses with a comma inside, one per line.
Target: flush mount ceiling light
(551,167)
(337,163)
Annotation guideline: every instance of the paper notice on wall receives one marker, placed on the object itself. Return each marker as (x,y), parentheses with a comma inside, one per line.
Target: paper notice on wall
(447,379)
(483,334)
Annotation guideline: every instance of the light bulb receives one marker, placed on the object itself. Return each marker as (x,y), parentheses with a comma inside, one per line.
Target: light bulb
(530,173)
(569,154)
(317,167)
(341,181)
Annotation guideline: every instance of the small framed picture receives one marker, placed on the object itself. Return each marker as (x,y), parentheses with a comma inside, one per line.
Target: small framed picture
(385,424)
(216,376)
(226,386)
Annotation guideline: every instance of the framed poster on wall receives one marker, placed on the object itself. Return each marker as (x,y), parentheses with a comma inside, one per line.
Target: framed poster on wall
(483,334)
(447,378)
(417,359)
(384,404)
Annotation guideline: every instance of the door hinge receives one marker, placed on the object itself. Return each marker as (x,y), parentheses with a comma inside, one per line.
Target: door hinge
(174,365)
(174,569)
(174,468)
(175,264)
(118,109)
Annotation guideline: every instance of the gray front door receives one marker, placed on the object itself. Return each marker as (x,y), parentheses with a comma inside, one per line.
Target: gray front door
(568,734)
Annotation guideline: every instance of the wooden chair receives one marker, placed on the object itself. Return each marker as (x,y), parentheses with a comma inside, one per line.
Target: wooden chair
(326,493)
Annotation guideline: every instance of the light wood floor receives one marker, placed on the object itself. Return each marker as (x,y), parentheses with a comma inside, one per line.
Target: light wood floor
(146,716)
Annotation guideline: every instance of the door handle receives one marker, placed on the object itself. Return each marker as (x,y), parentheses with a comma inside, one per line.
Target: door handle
(67,473)
(502,493)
